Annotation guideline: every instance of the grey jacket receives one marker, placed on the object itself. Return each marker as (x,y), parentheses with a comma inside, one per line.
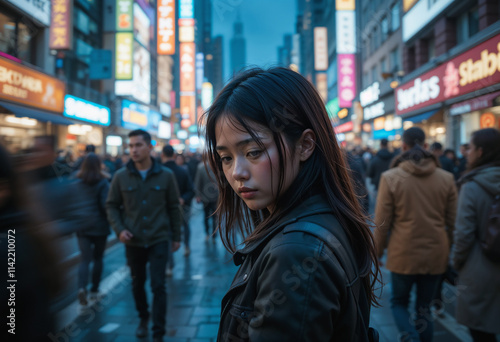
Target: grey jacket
(478,289)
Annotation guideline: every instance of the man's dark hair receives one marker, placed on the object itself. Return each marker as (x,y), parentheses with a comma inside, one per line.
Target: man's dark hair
(168,151)
(145,135)
(436,147)
(414,136)
(384,143)
(90,148)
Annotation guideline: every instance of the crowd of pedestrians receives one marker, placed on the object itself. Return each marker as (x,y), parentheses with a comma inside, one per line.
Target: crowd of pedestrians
(431,220)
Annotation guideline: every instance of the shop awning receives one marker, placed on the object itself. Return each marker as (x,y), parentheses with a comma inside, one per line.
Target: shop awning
(38,114)
(421,117)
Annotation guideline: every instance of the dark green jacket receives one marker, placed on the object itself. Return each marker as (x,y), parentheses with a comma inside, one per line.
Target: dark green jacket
(149,208)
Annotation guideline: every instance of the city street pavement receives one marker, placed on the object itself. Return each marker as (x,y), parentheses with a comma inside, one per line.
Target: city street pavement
(194,294)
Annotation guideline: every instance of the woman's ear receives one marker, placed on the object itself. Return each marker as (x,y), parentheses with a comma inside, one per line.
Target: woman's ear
(306,144)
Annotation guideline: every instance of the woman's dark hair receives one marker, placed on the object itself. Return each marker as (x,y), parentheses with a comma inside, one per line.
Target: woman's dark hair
(286,103)
(487,139)
(91,172)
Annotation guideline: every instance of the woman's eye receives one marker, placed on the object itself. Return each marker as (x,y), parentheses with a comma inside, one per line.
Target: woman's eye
(254,154)
(225,159)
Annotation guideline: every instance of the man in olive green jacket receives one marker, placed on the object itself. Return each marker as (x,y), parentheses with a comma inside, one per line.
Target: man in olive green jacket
(143,209)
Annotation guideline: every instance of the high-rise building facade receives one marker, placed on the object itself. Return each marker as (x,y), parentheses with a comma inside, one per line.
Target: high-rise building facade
(238,48)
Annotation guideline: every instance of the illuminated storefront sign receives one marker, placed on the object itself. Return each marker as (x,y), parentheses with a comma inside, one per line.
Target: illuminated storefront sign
(140,86)
(332,108)
(134,115)
(367,98)
(186,9)
(76,108)
(187,68)
(346,48)
(345,5)
(61,27)
(199,70)
(473,70)
(124,50)
(320,48)
(186,30)
(346,32)
(322,85)
(188,108)
(347,80)
(166,27)
(347,127)
(29,87)
(124,15)
(164,130)
(207,95)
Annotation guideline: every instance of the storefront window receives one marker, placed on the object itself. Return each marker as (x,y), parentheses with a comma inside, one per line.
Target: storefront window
(7,34)
(24,42)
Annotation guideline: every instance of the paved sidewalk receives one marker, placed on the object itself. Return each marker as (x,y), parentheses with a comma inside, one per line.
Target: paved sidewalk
(194,295)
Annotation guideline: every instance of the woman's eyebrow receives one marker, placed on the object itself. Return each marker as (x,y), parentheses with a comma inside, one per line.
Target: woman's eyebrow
(238,144)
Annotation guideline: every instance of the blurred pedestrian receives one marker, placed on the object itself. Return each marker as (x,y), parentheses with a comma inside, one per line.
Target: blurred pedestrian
(88,149)
(186,191)
(207,192)
(92,241)
(462,161)
(478,305)
(355,162)
(305,269)
(414,216)
(36,274)
(380,163)
(444,161)
(143,209)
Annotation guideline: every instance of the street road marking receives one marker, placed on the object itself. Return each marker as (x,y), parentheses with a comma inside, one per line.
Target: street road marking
(107,328)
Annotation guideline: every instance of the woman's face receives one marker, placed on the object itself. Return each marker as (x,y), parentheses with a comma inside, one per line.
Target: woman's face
(252,173)
(473,153)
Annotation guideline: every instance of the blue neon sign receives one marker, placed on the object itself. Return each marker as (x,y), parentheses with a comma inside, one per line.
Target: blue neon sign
(80,109)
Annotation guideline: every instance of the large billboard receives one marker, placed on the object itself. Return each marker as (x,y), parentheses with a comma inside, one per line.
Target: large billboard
(141,26)
(29,87)
(40,9)
(166,27)
(124,55)
(471,71)
(140,85)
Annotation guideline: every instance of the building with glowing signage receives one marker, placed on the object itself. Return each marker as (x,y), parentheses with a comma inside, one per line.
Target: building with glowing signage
(451,87)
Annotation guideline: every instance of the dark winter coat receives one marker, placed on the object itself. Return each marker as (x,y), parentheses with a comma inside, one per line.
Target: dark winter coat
(184,181)
(151,209)
(293,286)
(379,164)
(478,295)
(97,193)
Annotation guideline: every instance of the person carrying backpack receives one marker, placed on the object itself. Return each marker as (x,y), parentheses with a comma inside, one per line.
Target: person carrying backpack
(478,304)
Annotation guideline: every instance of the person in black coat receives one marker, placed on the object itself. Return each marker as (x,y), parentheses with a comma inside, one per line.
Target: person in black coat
(446,163)
(185,184)
(380,163)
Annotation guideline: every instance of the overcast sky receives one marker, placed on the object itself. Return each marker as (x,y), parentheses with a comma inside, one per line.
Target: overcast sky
(264,24)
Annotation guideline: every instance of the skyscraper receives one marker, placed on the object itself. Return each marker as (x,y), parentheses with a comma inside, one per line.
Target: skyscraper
(217,50)
(238,48)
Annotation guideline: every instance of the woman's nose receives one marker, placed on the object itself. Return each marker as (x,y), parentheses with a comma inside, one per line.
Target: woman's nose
(240,169)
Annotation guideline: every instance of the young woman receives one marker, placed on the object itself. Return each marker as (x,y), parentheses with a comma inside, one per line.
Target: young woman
(478,305)
(308,265)
(92,242)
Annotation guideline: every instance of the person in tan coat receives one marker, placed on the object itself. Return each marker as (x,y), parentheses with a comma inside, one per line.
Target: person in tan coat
(415,216)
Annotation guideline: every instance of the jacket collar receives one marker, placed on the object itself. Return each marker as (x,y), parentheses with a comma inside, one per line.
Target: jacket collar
(155,167)
(314,205)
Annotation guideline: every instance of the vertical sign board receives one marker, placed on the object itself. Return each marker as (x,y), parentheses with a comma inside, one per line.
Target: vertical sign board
(123,55)
(199,70)
(166,27)
(186,30)
(124,15)
(187,80)
(61,27)
(320,48)
(346,48)
(347,80)
(186,9)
